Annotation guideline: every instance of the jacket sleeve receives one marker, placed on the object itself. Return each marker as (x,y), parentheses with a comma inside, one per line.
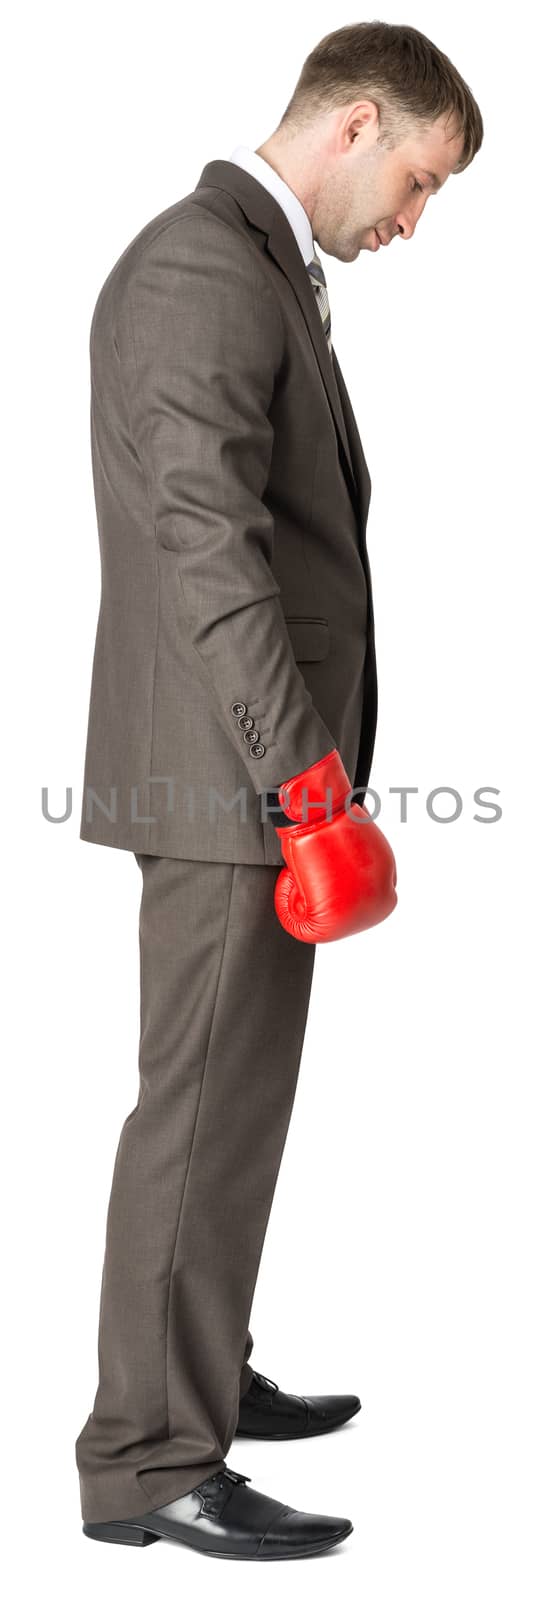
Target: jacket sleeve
(200,340)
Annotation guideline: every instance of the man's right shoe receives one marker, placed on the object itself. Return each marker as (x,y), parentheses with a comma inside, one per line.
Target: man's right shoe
(221,1517)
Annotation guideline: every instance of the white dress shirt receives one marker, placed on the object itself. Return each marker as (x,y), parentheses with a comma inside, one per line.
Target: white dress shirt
(296,213)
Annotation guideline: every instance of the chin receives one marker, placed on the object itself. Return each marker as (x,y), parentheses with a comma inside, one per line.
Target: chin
(351,253)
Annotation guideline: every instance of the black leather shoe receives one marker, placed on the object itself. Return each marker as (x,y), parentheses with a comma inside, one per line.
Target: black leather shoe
(221,1517)
(265,1412)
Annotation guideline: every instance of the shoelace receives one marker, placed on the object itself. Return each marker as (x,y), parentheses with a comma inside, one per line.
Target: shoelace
(267,1383)
(227,1472)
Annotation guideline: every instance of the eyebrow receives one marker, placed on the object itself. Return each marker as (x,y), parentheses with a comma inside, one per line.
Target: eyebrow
(433,176)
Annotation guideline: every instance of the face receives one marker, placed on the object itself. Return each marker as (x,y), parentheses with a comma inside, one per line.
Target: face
(373,195)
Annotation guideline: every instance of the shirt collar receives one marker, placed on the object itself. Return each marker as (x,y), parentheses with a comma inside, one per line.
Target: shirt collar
(294,211)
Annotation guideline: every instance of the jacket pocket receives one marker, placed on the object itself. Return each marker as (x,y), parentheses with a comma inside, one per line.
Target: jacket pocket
(309,637)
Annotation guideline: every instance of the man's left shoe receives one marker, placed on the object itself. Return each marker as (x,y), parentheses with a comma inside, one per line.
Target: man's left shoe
(265,1412)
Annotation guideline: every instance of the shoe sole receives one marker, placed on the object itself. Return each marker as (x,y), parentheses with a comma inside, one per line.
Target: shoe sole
(138,1536)
(311,1433)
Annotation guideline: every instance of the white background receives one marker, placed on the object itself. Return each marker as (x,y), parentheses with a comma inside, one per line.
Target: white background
(399,1258)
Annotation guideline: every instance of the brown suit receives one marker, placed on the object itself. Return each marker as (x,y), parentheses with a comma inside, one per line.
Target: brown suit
(232,497)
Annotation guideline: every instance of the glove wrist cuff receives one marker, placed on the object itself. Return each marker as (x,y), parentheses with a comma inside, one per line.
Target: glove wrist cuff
(317,793)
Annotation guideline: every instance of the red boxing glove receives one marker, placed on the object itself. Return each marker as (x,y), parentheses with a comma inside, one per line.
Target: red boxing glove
(341,872)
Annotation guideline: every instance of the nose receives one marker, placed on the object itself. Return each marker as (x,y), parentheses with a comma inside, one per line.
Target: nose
(406,221)
(405,227)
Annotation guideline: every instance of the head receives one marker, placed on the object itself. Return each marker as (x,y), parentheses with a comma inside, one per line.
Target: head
(377,110)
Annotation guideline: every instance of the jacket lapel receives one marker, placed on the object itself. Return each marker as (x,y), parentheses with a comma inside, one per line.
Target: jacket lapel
(261,209)
(361,471)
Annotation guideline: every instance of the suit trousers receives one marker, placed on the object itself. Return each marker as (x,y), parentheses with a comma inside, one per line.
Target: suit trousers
(224,995)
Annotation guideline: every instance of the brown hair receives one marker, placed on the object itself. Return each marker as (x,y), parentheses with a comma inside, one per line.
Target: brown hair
(407,76)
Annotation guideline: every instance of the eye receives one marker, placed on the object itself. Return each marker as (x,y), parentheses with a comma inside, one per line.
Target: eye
(419,186)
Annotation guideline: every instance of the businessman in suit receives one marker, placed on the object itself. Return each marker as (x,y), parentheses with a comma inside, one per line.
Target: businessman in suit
(234,651)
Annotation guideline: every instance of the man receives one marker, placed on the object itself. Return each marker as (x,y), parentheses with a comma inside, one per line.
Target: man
(234,673)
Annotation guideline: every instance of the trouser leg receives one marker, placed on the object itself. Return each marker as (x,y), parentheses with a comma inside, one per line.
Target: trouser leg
(224,999)
(246,1373)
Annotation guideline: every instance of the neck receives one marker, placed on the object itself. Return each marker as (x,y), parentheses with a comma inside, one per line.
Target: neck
(293,164)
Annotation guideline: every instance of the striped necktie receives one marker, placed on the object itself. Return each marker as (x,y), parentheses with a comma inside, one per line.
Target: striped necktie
(318,280)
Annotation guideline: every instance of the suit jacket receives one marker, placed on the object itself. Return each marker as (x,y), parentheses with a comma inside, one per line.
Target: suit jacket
(235,637)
